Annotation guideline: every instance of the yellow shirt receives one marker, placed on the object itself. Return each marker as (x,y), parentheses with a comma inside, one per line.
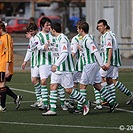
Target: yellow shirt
(6,52)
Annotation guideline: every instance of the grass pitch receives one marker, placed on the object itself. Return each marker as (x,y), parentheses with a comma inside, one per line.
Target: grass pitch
(30,120)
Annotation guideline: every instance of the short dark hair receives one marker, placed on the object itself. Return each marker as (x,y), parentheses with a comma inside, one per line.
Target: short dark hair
(80,21)
(2,26)
(56,26)
(43,21)
(104,23)
(85,26)
(31,26)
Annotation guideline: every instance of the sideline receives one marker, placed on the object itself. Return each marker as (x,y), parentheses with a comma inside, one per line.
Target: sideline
(55,125)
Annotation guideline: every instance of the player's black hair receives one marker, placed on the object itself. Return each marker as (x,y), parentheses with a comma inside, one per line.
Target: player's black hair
(104,23)
(43,21)
(31,26)
(56,26)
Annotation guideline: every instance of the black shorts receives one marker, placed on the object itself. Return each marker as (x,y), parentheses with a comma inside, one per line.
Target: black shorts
(3,78)
(8,79)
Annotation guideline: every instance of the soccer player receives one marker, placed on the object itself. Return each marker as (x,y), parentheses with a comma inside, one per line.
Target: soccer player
(32,30)
(108,56)
(44,60)
(77,52)
(32,55)
(62,72)
(90,74)
(116,63)
(117,83)
(6,68)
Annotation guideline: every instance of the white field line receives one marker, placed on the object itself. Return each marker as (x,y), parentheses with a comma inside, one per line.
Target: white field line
(124,110)
(56,125)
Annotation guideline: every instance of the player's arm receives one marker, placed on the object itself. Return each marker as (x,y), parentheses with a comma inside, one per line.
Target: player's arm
(74,46)
(93,49)
(9,53)
(109,58)
(26,59)
(109,49)
(62,57)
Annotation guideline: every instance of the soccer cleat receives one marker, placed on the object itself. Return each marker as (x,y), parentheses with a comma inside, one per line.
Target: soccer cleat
(69,106)
(40,103)
(49,113)
(18,101)
(35,104)
(130,99)
(2,109)
(44,107)
(99,107)
(112,108)
(86,108)
(78,111)
(64,107)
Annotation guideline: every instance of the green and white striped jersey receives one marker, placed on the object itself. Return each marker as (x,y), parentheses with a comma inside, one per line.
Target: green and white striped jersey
(44,57)
(108,40)
(77,40)
(116,58)
(30,54)
(63,45)
(89,48)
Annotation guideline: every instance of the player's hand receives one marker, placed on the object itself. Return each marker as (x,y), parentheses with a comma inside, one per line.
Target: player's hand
(104,67)
(107,66)
(28,35)
(80,48)
(46,47)
(23,65)
(54,68)
(7,73)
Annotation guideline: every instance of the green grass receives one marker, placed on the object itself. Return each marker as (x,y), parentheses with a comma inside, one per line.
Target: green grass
(30,120)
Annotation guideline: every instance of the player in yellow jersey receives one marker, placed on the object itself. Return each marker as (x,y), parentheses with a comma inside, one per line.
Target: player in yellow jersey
(6,68)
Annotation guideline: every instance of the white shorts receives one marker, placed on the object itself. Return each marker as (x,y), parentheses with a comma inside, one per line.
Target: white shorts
(108,73)
(90,74)
(115,73)
(77,77)
(35,72)
(64,79)
(43,71)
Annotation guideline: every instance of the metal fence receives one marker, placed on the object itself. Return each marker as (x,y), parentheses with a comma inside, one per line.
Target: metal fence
(125,49)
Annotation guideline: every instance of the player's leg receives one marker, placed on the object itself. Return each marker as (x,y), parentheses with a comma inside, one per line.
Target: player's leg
(110,85)
(76,80)
(44,72)
(104,92)
(36,82)
(2,92)
(61,94)
(55,81)
(97,99)
(75,93)
(124,90)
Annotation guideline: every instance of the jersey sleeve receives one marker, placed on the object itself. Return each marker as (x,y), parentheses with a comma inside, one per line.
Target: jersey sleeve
(74,45)
(109,41)
(91,46)
(64,47)
(9,49)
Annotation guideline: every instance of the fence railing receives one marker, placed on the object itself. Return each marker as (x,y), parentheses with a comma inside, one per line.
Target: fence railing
(20,50)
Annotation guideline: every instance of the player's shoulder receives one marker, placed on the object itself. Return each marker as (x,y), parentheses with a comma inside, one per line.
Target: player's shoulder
(107,35)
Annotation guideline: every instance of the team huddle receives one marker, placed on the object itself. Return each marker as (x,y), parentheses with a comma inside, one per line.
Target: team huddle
(68,64)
